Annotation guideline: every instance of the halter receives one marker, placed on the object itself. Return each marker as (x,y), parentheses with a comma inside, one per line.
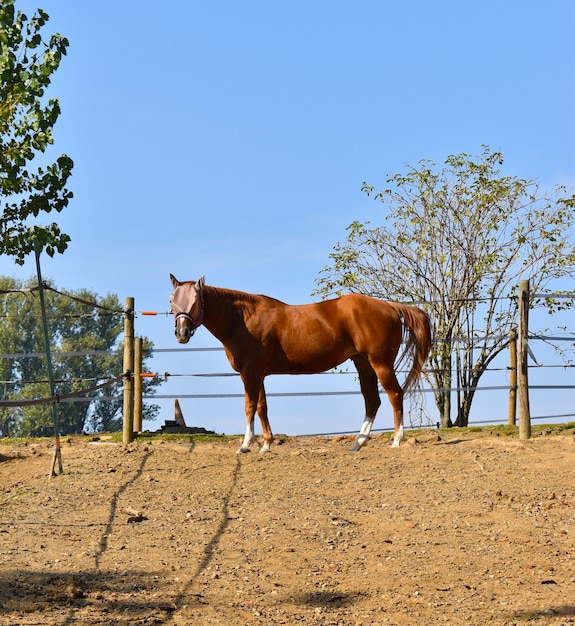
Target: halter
(194,321)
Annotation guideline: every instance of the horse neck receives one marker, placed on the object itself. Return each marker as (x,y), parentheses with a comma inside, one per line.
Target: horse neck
(223,308)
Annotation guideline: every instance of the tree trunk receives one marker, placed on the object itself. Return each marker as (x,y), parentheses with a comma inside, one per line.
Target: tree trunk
(463,410)
(443,396)
(445,411)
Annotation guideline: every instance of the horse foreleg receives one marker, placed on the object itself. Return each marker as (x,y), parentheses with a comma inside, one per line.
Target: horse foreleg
(370,392)
(250,408)
(255,398)
(266,428)
(248,437)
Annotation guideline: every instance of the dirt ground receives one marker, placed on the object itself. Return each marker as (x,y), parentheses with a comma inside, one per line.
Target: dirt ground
(462,528)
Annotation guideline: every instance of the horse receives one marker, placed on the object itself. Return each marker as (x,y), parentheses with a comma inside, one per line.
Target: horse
(262,336)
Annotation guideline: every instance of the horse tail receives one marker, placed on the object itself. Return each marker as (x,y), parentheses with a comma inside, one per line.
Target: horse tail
(416,327)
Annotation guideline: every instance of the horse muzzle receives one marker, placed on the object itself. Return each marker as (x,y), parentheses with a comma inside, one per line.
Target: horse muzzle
(186,326)
(183,333)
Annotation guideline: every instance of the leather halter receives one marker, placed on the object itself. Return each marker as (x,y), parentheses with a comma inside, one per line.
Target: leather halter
(194,321)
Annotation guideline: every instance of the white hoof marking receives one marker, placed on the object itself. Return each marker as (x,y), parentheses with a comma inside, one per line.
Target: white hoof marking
(363,434)
(397,438)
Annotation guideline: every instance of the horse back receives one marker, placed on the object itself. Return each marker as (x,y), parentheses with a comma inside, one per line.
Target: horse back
(316,337)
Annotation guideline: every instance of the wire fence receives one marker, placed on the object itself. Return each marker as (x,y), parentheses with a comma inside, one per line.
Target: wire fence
(167,375)
(82,395)
(356,392)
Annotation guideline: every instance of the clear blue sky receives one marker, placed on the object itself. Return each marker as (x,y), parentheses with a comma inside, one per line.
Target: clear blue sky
(231,139)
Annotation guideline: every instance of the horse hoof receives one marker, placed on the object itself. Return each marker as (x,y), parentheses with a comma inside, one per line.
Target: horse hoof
(355,447)
(264,449)
(243,450)
(395,444)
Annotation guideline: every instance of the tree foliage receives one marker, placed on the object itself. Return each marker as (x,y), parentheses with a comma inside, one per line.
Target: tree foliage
(458,240)
(27,63)
(74,328)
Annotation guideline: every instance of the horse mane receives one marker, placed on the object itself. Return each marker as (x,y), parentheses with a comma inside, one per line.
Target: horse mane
(248,301)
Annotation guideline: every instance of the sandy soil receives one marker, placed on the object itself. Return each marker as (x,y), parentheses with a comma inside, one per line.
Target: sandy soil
(465,529)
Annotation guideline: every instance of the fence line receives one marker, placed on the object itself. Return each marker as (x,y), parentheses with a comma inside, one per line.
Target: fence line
(117,352)
(127,376)
(167,375)
(57,398)
(77,396)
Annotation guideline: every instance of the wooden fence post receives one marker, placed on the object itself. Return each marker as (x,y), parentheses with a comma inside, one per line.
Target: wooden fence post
(522,368)
(55,421)
(128,433)
(512,407)
(138,385)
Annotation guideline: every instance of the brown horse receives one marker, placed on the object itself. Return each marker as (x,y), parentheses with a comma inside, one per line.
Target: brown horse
(264,336)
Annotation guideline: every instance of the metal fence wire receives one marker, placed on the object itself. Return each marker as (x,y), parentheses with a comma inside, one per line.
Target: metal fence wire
(93,384)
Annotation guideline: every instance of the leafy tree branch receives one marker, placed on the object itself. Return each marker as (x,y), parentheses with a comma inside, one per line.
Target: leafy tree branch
(27,63)
(458,240)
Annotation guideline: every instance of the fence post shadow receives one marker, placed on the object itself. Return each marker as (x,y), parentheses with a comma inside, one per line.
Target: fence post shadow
(103,544)
(214,541)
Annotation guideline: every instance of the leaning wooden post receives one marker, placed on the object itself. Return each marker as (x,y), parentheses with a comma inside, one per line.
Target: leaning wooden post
(512,408)
(138,385)
(128,433)
(55,421)
(522,349)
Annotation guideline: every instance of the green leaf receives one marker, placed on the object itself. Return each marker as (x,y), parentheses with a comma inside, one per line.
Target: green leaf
(26,123)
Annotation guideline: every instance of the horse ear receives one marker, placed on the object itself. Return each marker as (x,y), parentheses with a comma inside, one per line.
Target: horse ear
(175,281)
(201,281)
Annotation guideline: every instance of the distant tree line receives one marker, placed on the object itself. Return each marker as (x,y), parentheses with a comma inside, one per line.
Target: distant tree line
(73,327)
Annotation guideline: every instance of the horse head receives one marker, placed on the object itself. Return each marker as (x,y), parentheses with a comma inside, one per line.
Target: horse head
(187,305)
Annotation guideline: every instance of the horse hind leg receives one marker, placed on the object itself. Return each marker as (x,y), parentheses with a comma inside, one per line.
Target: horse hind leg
(390,384)
(368,384)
